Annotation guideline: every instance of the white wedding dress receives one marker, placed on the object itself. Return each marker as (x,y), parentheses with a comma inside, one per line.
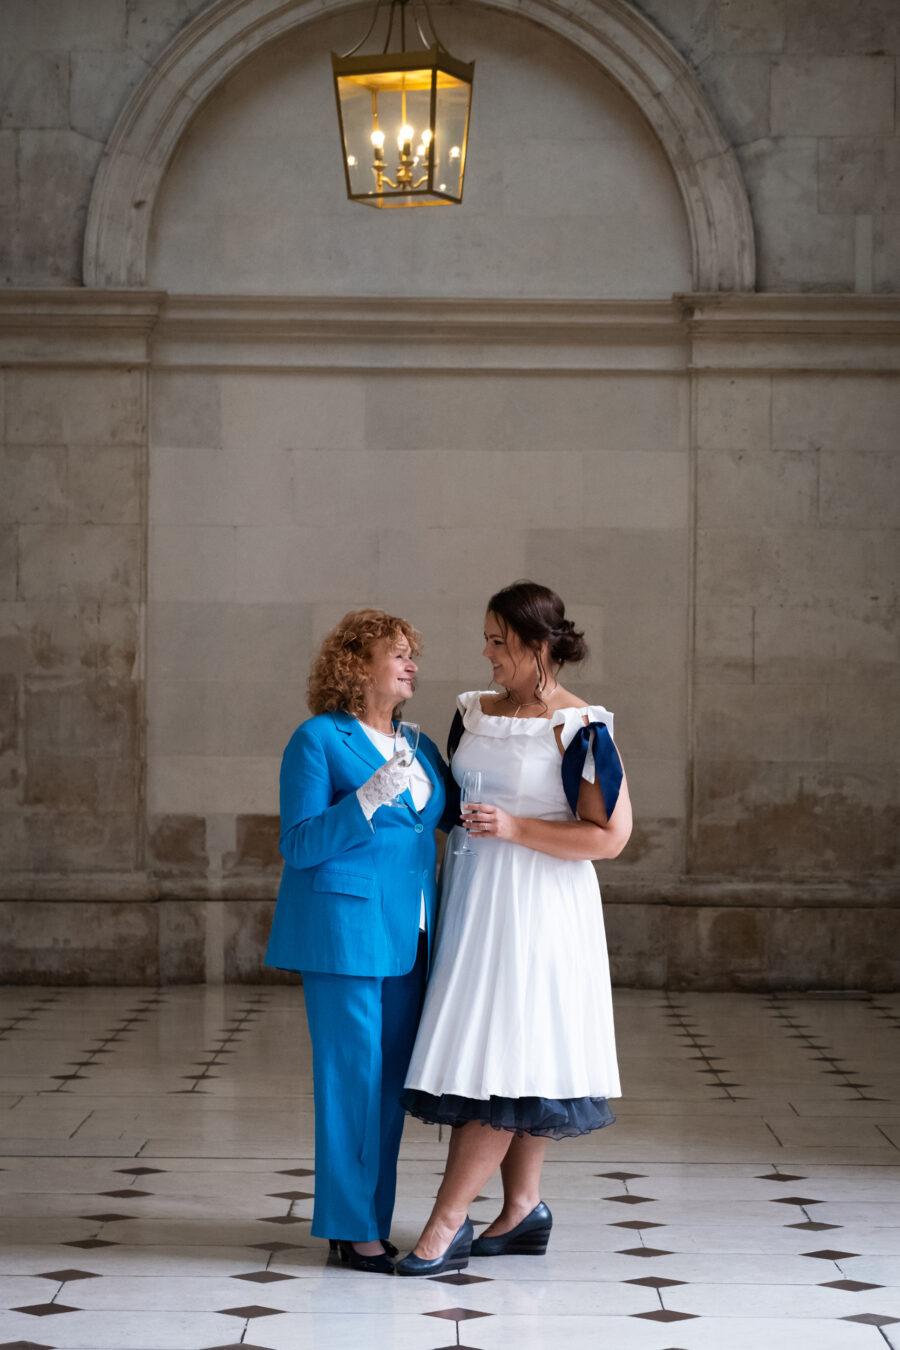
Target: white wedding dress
(518,1004)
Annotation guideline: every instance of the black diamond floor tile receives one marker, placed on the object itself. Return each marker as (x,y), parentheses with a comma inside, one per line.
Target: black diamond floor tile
(25,1345)
(780,1176)
(872,1319)
(631,1199)
(290,1195)
(655,1282)
(45,1309)
(296,1172)
(263,1277)
(457,1314)
(87,1244)
(636,1224)
(276,1246)
(251,1310)
(664,1315)
(645,1251)
(621,1176)
(812,1227)
(139,1171)
(460,1278)
(283,1218)
(829,1254)
(107,1218)
(793,1200)
(235,1345)
(64,1275)
(125,1194)
(851,1286)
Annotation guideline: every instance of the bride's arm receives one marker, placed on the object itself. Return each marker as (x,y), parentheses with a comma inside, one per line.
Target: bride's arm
(592,836)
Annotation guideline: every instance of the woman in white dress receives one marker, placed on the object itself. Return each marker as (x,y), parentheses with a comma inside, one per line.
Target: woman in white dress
(517,1028)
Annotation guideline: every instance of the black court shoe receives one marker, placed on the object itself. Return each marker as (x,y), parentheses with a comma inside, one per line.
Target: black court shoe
(456,1257)
(528,1238)
(373,1265)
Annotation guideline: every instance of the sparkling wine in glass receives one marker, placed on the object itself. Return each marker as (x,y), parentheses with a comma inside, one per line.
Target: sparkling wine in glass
(406,743)
(469,791)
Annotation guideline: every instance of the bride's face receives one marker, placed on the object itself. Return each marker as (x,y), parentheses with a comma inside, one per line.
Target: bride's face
(512,663)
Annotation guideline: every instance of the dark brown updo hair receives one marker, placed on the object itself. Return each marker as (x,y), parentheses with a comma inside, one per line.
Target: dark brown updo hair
(537,615)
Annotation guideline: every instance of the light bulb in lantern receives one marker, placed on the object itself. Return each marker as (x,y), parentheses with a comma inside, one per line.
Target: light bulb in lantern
(454,152)
(426,137)
(351,161)
(377,138)
(405,137)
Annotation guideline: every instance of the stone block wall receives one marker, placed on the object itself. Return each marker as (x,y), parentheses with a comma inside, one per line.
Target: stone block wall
(198,479)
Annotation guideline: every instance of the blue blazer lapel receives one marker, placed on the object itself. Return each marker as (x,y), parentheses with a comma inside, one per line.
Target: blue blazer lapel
(356,739)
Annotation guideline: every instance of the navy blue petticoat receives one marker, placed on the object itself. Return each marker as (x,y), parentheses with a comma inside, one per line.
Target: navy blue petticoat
(546,1117)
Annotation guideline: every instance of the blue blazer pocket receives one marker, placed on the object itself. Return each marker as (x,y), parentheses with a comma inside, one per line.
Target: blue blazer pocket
(334,882)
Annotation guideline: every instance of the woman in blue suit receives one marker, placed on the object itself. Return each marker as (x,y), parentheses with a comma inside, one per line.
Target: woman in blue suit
(355,915)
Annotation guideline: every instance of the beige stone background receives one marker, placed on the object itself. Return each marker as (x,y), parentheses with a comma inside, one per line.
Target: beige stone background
(296,406)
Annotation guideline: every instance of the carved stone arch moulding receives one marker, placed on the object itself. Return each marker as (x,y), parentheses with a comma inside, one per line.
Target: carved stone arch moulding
(619,39)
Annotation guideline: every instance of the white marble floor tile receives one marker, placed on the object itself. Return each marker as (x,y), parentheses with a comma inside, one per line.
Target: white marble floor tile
(198,1084)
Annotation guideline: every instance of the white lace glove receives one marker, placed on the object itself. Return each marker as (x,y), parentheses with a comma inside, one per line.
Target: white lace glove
(387,782)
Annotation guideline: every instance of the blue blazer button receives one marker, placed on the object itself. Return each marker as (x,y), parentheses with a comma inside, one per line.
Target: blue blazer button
(419,828)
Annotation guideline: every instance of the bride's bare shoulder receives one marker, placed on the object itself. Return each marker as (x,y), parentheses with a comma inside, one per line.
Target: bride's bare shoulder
(491,701)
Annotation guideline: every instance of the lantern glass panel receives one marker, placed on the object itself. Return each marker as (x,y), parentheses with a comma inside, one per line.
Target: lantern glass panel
(395,155)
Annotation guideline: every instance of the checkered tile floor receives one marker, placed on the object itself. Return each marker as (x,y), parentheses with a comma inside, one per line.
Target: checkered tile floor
(157,1186)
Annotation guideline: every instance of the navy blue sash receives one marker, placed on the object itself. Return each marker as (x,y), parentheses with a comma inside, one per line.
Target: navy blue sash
(607,764)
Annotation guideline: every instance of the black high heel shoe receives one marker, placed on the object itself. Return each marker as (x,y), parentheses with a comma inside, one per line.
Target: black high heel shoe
(389,1248)
(456,1257)
(528,1238)
(373,1265)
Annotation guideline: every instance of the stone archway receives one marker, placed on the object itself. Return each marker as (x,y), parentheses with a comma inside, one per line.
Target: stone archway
(622,42)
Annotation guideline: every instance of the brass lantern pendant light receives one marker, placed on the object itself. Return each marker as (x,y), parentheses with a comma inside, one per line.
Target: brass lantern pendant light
(404,115)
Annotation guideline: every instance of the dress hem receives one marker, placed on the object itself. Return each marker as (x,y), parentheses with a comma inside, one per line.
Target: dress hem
(544,1117)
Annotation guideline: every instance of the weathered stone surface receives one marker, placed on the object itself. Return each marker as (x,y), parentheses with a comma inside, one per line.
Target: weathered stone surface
(35,89)
(772,490)
(76,25)
(79,841)
(256,845)
(724,644)
(101,82)
(247,926)
(840,27)
(182,941)
(587,565)
(636,939)
(747,28)
(833,96)
(859,175)
(734,412)
(186,411)
(87,716)
(34,484)
(9,185)
(9,562)
(104,485)
(798,567)
(835,412)
(738,87)
(76,942)
(56,169)
(81,783)
(151,24)
(793,643)
(798,249)
(811,818)
(84,562)
(74,407)
(177,843)
(762,722)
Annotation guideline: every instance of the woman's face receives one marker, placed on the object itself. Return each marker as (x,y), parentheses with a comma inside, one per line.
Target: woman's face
(511,661)
(392,670)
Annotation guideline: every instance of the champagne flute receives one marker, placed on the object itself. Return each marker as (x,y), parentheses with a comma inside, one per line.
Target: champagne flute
(470,791)
(406,743)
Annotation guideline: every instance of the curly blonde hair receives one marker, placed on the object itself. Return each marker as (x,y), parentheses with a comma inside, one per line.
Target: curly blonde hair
(337,680)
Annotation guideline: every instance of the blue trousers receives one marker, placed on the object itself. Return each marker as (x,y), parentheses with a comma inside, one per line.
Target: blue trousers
(362,1031)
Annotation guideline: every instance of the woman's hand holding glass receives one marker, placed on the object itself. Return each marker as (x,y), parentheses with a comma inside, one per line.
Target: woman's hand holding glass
(488,822)
(385,785)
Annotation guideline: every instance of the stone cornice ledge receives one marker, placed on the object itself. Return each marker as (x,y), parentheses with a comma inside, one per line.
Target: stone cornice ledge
(74,325)
(374,332)
(777,331)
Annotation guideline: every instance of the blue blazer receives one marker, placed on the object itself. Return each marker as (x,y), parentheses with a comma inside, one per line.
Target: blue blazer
(350,894)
